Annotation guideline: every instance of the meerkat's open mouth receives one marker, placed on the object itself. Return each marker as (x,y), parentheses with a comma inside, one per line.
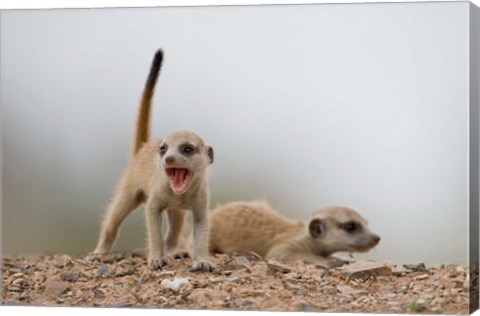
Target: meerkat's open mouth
(179,179)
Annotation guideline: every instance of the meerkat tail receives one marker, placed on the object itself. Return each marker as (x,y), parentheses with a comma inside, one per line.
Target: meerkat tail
(142,132)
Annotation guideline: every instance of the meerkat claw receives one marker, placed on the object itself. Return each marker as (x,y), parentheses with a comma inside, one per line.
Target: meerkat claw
(202,266)
(157,263)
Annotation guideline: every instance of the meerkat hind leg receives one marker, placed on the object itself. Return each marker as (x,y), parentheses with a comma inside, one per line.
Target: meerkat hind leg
(123,203)
(176,220)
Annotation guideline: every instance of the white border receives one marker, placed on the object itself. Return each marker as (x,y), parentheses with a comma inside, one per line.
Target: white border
(60,4)
(44,4)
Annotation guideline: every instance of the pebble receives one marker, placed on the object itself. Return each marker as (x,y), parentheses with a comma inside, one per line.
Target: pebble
(227,272)
(103,270)
(54,288)
(242,261)
(360,269)
(274,265)
(98,292)
(415,267)
(17,275)
(175,284)
(165,273)
(422,277)
(70,277)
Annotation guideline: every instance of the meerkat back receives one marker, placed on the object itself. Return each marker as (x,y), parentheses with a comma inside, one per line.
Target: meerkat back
(242,227)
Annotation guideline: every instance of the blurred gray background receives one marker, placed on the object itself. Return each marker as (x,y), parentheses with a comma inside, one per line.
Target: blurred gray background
(362,105)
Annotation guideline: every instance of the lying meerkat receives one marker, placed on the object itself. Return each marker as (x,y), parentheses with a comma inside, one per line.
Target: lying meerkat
(168,174)
(254,226)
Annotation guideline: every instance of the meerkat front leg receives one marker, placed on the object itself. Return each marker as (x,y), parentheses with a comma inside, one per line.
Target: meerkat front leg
(156,258)
(176,220)
(200,238)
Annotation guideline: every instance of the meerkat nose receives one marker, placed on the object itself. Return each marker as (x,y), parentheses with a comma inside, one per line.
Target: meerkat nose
(170,159)
(376,238)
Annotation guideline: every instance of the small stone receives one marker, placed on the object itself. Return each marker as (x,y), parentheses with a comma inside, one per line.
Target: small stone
(398,271)
(274,265)
(21,283)
(98,293)
(247,303)
(166,274)
(300,292)
(55,288)
(185,294)
(446,283)
(233,280)
(418,305)
(304,307)
(227,272)
(422,277)
(111,258)
(242,261)
(103,270)
(365,269)
(127,271)
(17,275)
(460,269)
(70,277)
(417,267)
(215,280)
(175,284)
(59,265)
(329,289)
(14,288)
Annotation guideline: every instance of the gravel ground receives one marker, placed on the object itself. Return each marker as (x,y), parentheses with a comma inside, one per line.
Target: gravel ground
(240,282)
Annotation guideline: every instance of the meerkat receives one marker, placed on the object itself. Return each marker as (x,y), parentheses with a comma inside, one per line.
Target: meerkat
(168,174)
(255,226)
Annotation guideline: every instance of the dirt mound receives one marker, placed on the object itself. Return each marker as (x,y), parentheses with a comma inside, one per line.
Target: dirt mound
(243,282)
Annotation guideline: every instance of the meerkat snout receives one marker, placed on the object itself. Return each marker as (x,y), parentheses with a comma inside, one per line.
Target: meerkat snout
(169,160)
(339,228)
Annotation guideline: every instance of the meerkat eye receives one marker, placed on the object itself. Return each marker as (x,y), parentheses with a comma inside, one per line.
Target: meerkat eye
(351,227)
(163,149)
(188,149)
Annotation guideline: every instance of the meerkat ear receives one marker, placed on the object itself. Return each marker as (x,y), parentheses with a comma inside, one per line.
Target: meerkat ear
(210,153)
(316,227)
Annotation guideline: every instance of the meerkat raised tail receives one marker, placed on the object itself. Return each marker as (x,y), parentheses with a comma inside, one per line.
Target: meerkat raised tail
(255,226)
(168,174)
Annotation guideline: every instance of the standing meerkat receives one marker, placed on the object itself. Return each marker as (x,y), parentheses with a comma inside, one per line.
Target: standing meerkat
(254,226)
(168,174)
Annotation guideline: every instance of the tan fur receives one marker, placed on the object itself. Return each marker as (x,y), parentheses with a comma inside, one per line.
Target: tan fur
(146,180)
(255,226)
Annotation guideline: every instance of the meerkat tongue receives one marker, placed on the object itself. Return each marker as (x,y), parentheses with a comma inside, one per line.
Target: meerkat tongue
(179,180)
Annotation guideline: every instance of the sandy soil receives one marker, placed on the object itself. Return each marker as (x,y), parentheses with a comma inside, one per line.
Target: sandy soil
(241,282)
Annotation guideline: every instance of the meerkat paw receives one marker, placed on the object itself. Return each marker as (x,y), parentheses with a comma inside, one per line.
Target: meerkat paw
(157,263)
(204,266)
